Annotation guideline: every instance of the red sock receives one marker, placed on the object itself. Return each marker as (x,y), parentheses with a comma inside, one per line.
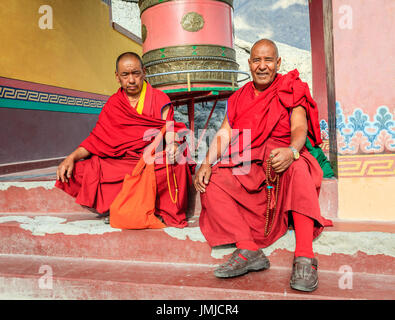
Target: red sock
(247,244)
(304,227)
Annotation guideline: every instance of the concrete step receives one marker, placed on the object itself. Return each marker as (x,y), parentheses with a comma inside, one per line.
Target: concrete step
(37,277)
(91,260)
(365,247)
(34,191)
(43,226)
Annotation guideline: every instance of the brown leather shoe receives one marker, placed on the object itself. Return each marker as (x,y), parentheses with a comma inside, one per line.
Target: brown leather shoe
(237,266)
(304,274)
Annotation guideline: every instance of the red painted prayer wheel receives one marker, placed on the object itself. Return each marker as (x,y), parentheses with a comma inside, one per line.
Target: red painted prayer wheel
(188,35)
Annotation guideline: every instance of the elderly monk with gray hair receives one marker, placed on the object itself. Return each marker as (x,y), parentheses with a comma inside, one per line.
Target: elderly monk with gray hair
(253,204)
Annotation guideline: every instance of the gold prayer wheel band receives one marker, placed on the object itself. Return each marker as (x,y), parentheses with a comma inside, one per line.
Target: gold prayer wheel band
(194,51)
(193,77)
(150,64)
(145,4)
(190,57)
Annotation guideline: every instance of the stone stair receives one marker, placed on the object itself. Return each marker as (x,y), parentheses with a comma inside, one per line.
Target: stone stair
(52,248)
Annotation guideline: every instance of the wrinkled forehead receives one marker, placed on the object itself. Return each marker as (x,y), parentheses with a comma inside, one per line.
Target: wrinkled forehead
(264,49)
(128,63)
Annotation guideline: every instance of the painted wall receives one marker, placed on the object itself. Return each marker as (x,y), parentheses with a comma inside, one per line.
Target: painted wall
(353,75)
(78,53)
(365,107)
(54,81)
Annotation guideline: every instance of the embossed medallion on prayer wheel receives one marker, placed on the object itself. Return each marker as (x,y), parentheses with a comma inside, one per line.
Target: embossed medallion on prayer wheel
(188,42)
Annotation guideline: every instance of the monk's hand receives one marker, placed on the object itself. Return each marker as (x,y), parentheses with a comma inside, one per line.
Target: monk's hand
(202,178)
(172,152)
(65,169)
(282,158)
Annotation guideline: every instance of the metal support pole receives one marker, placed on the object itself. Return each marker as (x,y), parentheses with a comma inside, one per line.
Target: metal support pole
(191,119)
(189,82)
(206,125)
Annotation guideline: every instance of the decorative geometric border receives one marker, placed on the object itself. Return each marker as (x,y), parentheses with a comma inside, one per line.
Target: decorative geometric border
(18,94)
(36,96)
(325,146)
(382,165)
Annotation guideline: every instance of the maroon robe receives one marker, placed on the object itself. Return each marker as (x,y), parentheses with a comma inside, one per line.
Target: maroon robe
(234,205)
(116,143)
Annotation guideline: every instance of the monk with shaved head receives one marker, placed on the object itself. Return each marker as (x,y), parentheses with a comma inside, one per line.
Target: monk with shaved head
(127,125)
(258,178)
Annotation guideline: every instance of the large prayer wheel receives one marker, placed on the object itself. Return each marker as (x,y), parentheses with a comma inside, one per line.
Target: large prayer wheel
(185,40)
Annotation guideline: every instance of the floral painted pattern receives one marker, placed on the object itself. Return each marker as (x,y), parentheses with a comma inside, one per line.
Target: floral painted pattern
(324,130)
(359,134)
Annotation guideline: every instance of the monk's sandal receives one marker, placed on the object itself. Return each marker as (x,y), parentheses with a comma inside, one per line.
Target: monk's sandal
(304,274)
(241,262)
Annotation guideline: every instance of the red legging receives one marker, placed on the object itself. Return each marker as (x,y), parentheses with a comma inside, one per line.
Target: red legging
(304,227)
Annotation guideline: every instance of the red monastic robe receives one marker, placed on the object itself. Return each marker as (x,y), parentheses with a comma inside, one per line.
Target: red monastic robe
(234,204)
(116,143)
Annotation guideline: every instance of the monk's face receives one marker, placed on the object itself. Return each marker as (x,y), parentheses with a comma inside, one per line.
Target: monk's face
(130,75)
(264,64)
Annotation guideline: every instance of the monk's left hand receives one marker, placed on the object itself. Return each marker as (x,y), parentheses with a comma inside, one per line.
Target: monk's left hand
(172,152)
(282,158)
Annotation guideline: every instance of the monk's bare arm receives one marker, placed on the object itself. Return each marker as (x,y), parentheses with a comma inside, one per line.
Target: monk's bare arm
(165,111)
(283,157)
(298,128)
(79,153)
(220,142)
(65,169)
(216,149)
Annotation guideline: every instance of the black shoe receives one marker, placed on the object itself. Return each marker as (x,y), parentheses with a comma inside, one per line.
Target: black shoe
(105,216)
(237,266)
(304,274)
